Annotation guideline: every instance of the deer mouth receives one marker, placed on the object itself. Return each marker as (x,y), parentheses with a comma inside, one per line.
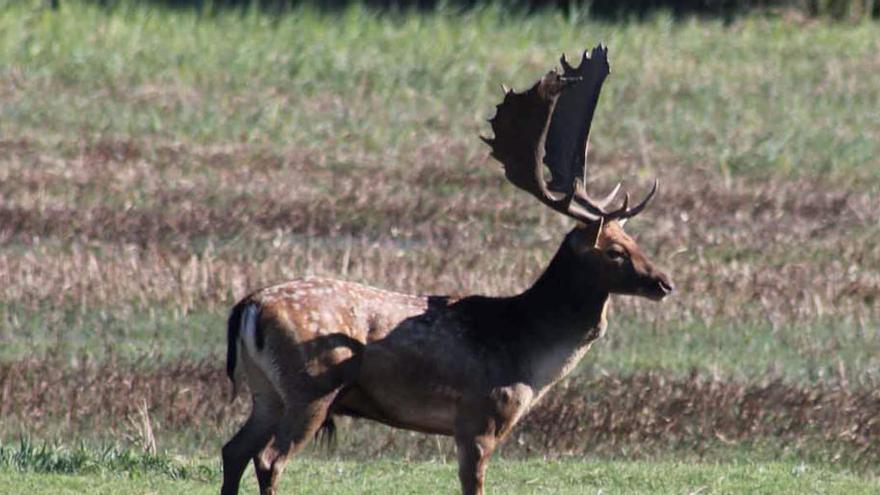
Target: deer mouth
(660,290)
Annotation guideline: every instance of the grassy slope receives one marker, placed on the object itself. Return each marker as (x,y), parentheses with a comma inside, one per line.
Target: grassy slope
(516,477)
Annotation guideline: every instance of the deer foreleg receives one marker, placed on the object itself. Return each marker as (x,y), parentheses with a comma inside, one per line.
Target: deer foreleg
(263,468)
(473,457)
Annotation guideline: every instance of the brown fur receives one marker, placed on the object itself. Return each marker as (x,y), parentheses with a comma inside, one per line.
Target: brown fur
(468,368)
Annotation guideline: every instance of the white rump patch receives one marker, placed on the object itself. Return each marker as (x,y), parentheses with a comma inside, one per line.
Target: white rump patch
(248,330)
(263,360)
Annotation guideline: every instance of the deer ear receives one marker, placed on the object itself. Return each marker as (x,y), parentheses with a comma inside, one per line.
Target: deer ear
(586,235)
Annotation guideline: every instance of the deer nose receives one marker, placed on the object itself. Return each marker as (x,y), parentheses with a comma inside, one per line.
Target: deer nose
(665,283)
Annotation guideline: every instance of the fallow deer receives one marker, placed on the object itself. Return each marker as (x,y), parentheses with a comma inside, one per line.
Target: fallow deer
(472,367)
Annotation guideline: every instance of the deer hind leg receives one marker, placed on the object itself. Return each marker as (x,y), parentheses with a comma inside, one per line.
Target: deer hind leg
(299,423)
(250,440)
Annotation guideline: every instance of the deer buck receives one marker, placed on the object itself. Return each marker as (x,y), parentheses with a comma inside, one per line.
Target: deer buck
(472,367)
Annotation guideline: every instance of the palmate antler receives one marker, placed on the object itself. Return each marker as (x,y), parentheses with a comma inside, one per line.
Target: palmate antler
(549,125)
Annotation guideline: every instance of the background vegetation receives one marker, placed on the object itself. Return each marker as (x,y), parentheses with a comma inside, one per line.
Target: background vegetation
(157,163)
(601,9)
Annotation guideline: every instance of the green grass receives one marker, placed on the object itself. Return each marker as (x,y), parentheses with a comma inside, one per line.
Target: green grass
(57,459)
(58,469)
(515,477)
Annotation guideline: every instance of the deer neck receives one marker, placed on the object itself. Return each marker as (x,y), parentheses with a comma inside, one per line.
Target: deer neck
(568,304)
(565,316)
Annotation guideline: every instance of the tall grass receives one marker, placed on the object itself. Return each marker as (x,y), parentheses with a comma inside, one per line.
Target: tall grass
(41,457)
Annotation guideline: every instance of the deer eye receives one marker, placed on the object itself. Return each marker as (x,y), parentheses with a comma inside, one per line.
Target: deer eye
(615,254)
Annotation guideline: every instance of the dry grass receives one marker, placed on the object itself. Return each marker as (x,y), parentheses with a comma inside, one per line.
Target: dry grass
(636,415)
(115,230)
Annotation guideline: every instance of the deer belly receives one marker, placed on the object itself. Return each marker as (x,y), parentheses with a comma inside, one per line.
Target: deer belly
(402,408)
(416,390)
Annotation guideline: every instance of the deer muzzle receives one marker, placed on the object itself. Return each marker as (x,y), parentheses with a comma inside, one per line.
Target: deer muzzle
(662,286)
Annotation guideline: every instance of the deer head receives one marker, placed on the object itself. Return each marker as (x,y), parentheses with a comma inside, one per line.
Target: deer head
(548,127)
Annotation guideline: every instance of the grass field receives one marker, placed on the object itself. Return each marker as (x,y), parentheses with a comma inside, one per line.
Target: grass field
(515,477)
(54,470)
(156,164)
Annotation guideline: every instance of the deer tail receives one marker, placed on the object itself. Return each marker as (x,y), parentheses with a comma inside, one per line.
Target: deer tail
(243,317)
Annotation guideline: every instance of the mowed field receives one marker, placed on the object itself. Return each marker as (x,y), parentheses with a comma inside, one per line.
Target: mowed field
(156,164)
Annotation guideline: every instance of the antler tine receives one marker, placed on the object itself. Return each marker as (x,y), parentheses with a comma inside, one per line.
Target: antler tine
(624,212)
(597,207)
(641,206)
(604,202)
(620,211)
(582,199)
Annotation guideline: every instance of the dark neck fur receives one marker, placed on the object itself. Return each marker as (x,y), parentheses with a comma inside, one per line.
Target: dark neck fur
(559,294)
(557,306)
